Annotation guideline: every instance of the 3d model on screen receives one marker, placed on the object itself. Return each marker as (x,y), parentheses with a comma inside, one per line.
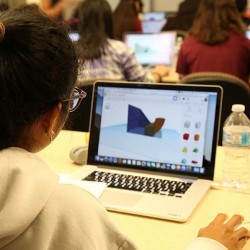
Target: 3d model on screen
(138,123)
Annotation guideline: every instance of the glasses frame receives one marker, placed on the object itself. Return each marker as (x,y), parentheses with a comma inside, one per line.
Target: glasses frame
(81,94)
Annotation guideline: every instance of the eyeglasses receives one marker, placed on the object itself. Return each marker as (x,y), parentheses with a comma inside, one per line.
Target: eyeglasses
(75,99)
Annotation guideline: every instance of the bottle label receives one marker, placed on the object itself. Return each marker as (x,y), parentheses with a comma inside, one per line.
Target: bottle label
(235,138)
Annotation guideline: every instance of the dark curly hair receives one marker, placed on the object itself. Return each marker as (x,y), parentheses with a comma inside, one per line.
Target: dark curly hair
(38,69)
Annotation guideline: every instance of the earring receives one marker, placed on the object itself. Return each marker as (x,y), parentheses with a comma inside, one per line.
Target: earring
(51,138)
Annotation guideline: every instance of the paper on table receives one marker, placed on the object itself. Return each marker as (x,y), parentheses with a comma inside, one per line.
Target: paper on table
(95,188)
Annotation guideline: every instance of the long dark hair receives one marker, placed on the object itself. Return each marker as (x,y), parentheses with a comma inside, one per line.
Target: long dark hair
(95,27)
(215,19)
(38,69)
(124,19)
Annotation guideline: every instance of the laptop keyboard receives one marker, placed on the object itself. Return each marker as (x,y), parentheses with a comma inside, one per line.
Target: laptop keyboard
(141,184)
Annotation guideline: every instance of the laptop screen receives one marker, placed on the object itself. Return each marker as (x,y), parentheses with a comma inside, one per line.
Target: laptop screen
(248,33)
(74,36)
(170,128)
(152,49)
(154,15)
(152,26)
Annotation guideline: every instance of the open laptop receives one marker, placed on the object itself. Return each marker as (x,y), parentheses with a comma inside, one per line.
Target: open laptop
(152,48)
(74,36)
(164,134)
(154,15)
(248,33)
(153,21)
(152,26)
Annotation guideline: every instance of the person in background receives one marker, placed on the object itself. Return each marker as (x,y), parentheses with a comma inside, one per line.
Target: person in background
(220,46)
(107,58)
(3,6)
(37,91)
(184,17)
(126,17)
(59,8)
(242,7)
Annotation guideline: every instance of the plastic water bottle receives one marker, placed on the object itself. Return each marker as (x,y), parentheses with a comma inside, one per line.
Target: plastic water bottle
(236,144)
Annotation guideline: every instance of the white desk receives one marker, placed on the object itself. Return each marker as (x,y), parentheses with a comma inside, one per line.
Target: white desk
(153,234)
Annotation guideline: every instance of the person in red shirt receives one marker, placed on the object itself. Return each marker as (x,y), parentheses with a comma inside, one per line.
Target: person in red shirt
(216,42)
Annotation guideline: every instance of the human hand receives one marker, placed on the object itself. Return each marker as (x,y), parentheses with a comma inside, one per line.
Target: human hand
(226,232)
(161,70)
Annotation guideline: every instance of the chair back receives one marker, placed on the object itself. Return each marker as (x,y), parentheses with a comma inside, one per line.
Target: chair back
(235,91)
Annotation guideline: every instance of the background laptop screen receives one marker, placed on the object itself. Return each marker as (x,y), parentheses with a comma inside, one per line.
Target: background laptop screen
(248,34)
(152,49)
(153,22)
(152,26)
(154,15)
(74,36)
(158,129)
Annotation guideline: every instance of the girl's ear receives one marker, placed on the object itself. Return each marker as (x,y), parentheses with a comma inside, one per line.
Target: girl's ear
(50,119)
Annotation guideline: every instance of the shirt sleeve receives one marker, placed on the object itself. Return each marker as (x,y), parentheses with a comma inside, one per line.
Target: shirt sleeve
(132,69)
(204,244)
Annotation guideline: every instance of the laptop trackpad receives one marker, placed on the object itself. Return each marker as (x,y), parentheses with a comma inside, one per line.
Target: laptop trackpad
(110,197)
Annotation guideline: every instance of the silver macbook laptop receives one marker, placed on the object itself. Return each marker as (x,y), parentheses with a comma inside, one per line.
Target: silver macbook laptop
(152,48)
(154,145)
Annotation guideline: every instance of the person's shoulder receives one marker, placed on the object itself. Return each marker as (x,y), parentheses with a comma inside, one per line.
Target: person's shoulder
(119,47)
(73,197)
(75,210)
(117,44)
(239,39)
(191,38)
(190,41)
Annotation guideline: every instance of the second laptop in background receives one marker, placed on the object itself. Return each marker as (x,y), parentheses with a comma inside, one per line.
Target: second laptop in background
(152,49)
(153,21)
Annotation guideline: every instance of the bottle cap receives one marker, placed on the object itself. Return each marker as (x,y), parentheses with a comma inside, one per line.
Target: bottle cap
(238,108)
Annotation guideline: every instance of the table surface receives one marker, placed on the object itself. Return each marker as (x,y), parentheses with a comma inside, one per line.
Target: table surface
(148,233)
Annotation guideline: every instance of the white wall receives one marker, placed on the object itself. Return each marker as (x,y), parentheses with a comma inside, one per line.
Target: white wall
(165,5)
(113,3)
(32,1)
(157,5)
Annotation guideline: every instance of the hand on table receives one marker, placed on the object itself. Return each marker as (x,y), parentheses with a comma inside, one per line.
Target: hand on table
(159,72)
(226,231)
(162,70)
